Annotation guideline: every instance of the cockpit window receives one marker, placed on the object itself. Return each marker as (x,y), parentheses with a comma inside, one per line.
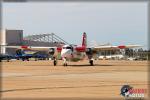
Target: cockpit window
(66,47)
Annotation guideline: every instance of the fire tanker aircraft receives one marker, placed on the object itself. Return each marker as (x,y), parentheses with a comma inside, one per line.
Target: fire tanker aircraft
(74,52)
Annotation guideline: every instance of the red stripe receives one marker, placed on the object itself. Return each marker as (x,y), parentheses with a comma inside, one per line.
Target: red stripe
(24,47)
(81,49)
(59,49)
(122,47)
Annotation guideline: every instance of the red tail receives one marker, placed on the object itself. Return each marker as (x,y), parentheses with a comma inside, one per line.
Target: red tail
(84,40)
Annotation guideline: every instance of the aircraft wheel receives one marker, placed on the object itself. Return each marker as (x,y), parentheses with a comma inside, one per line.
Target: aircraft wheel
(65,64)
(91,62)
(36,59)
(8,59)
(55,63)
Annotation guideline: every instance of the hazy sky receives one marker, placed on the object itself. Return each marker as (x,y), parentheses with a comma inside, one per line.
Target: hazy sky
(113,22)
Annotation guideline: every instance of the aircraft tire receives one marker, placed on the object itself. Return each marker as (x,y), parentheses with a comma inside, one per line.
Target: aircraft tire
(91,62)
(65,64)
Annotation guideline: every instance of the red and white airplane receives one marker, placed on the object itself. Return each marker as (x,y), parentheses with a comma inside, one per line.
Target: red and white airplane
(74,52)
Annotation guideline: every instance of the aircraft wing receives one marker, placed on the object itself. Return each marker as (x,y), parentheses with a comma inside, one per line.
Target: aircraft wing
(29,47)
(109,47)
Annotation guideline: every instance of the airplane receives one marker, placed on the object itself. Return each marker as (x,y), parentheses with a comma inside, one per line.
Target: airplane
(27,54)
(20,54)
(75,52)
(5,57)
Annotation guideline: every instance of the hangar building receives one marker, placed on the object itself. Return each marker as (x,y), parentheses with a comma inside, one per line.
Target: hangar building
(15,38)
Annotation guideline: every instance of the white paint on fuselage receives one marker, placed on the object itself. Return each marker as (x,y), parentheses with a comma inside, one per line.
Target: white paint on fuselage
(66,51)
(70,53)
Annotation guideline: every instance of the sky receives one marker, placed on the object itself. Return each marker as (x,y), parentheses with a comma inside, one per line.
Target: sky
(118,23)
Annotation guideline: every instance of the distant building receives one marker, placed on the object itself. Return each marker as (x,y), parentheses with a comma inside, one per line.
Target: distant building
(15,38)
(111,54)
(10,37)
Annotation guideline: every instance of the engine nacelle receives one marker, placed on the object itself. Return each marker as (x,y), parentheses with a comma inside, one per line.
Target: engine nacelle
(89,51)
(52,51)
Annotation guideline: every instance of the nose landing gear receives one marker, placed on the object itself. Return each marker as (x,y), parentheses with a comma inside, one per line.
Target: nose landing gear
(65,64)
(65,61)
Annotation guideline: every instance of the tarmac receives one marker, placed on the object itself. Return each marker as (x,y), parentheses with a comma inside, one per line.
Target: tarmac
(42,80)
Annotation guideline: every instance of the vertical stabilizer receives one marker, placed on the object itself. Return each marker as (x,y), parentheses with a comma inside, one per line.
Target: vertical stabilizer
(84,40)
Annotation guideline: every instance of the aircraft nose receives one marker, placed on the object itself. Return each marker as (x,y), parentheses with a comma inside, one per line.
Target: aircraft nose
(65,53)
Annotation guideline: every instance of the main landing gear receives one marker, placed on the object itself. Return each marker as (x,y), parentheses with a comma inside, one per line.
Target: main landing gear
(91,61)
(55,61)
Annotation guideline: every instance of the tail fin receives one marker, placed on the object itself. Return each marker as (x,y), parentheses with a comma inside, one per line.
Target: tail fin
(84,40)
(20,52)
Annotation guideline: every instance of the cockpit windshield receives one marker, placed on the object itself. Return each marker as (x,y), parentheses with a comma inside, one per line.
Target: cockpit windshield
(66,47)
